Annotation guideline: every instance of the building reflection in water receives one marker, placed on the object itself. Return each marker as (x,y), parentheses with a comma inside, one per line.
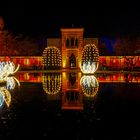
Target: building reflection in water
(51,83)
(72,97)
(90,85)
(72,86)
(5,88)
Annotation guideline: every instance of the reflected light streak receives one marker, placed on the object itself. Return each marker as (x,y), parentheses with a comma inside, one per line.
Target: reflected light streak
(90,85)
(7,69)
(52,83)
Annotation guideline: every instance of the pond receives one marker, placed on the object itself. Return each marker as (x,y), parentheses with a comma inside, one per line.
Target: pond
(69,105)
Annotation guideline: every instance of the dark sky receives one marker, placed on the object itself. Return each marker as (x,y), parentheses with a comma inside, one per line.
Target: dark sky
(39,18)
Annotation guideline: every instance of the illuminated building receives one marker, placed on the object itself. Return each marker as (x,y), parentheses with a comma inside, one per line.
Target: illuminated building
(71,47)
(74,51)
(72,96)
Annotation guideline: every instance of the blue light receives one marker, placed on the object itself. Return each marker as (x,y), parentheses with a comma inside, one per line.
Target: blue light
(1,100)
(109,43)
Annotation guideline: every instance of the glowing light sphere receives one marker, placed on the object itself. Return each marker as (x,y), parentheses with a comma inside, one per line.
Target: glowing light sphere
(7,69)
(52,83)
(89,85)
(90,59)
(52,58)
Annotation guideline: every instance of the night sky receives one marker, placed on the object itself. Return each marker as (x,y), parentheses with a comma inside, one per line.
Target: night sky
(38,19)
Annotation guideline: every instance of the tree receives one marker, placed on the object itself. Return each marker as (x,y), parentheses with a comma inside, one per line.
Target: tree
(27,47)
(131,62)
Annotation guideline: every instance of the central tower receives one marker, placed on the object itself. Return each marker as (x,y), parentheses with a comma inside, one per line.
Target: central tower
(72,45)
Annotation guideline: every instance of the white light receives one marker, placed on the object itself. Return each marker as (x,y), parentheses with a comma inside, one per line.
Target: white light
(89,68)
(1,100)
(7,69)
(90,59)
(11,83)
(89,85)
(6,95)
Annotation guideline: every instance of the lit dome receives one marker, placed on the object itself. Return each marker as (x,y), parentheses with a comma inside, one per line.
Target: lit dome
(52,58)
(52,83)
(90,59)
(89,85)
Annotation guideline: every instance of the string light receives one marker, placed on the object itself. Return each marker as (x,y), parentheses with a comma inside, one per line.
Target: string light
(90,59)
(52,57)
(90,85)
(7,69)
(5,95)
(52,83)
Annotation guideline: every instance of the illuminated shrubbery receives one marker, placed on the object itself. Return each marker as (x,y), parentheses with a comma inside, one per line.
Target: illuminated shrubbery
(89,85)
(52,58)
(90,59)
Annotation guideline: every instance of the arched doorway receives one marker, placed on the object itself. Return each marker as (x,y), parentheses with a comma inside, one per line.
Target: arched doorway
(72,61)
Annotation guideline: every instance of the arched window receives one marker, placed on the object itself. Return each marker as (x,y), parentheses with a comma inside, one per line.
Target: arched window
(67,42)
(76,42)
(72,42)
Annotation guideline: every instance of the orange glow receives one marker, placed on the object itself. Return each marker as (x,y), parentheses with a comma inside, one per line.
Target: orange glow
(64,63)
(118,77)
(64,76)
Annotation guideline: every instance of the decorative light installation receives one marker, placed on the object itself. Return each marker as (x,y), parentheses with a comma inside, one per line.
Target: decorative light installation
(89,85)
(52,58)
(11,83)
(7,69)
(1,100)
(52,83)
(90,59)
(5,95)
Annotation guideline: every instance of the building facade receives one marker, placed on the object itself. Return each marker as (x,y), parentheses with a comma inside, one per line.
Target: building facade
(69,48)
